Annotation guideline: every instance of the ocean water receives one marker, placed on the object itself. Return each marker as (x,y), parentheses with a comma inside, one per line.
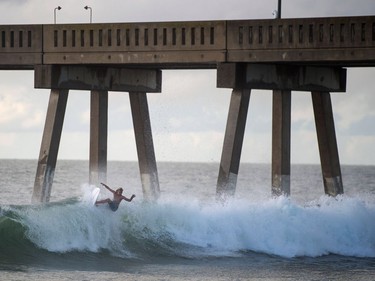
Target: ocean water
(186,234)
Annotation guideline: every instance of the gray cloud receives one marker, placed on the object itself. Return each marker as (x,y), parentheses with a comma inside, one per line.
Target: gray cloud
(189,117)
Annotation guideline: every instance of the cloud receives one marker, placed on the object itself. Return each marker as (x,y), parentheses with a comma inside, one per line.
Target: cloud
(40,11)
(20,145)
(327,8)
(189,146)
(14,2)
(34,120)
(357,150)
(11,109)
(189,117)
(304,147)
(18,110)
(7,139)
(356,105)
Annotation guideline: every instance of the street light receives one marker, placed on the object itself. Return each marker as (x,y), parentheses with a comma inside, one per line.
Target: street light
(54,13)
(277,13)
(87,7)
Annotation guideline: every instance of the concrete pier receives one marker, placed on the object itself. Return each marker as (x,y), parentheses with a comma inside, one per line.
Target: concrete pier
(329,156)
(145,146)
(98,80)
(98,137)
(232,147)
(282,80)
(281,55)
(281,122)
(50,145)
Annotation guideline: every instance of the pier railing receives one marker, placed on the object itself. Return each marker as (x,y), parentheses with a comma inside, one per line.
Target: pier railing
(170,42)
(319,39)
(20,45)
(342,40)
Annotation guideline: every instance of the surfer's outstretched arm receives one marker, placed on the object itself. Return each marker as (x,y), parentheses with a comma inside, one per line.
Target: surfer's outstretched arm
(107,187)
(127,199)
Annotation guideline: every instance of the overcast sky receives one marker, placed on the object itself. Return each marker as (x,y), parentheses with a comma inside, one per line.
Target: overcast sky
(188,118)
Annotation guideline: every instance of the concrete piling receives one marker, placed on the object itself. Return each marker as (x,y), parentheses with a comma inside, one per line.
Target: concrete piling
(50,146)
(145,146)
(282,80)
(98,137)
(329,156)
(98,80)
(281,122)
(232,147)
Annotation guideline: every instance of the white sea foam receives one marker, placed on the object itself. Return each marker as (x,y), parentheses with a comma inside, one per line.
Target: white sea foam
(277,226)
(342,225)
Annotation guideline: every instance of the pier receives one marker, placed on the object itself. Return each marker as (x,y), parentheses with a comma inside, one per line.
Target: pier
(282,55)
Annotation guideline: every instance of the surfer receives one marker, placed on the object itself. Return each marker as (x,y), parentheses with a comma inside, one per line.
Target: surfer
(117,198)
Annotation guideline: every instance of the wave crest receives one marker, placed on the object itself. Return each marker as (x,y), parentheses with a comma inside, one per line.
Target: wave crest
(190,228)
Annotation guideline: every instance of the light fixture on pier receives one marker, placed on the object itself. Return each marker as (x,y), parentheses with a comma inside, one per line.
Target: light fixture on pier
(277,13)
(279,9)
(87,8)
(54,13)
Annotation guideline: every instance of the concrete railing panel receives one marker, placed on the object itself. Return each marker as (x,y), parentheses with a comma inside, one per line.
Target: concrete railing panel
(20,46)
(292,40)
(170,42)
(343,41)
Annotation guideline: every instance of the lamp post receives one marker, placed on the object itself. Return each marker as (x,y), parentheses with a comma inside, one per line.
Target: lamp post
(54,13)
(279,9)
(88,7)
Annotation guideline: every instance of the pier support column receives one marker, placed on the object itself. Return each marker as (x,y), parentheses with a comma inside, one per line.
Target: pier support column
(145,145)
(282,79)
(281,120)
(232,147)
(50,146)
(329,156)
(98,137)
(99,79)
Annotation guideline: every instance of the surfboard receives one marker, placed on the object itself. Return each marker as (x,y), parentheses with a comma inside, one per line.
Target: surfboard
(94,195)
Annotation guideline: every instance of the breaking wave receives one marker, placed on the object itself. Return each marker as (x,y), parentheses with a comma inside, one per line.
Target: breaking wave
(191,228)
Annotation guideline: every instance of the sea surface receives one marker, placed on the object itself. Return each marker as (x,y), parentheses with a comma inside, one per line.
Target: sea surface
(186,234)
